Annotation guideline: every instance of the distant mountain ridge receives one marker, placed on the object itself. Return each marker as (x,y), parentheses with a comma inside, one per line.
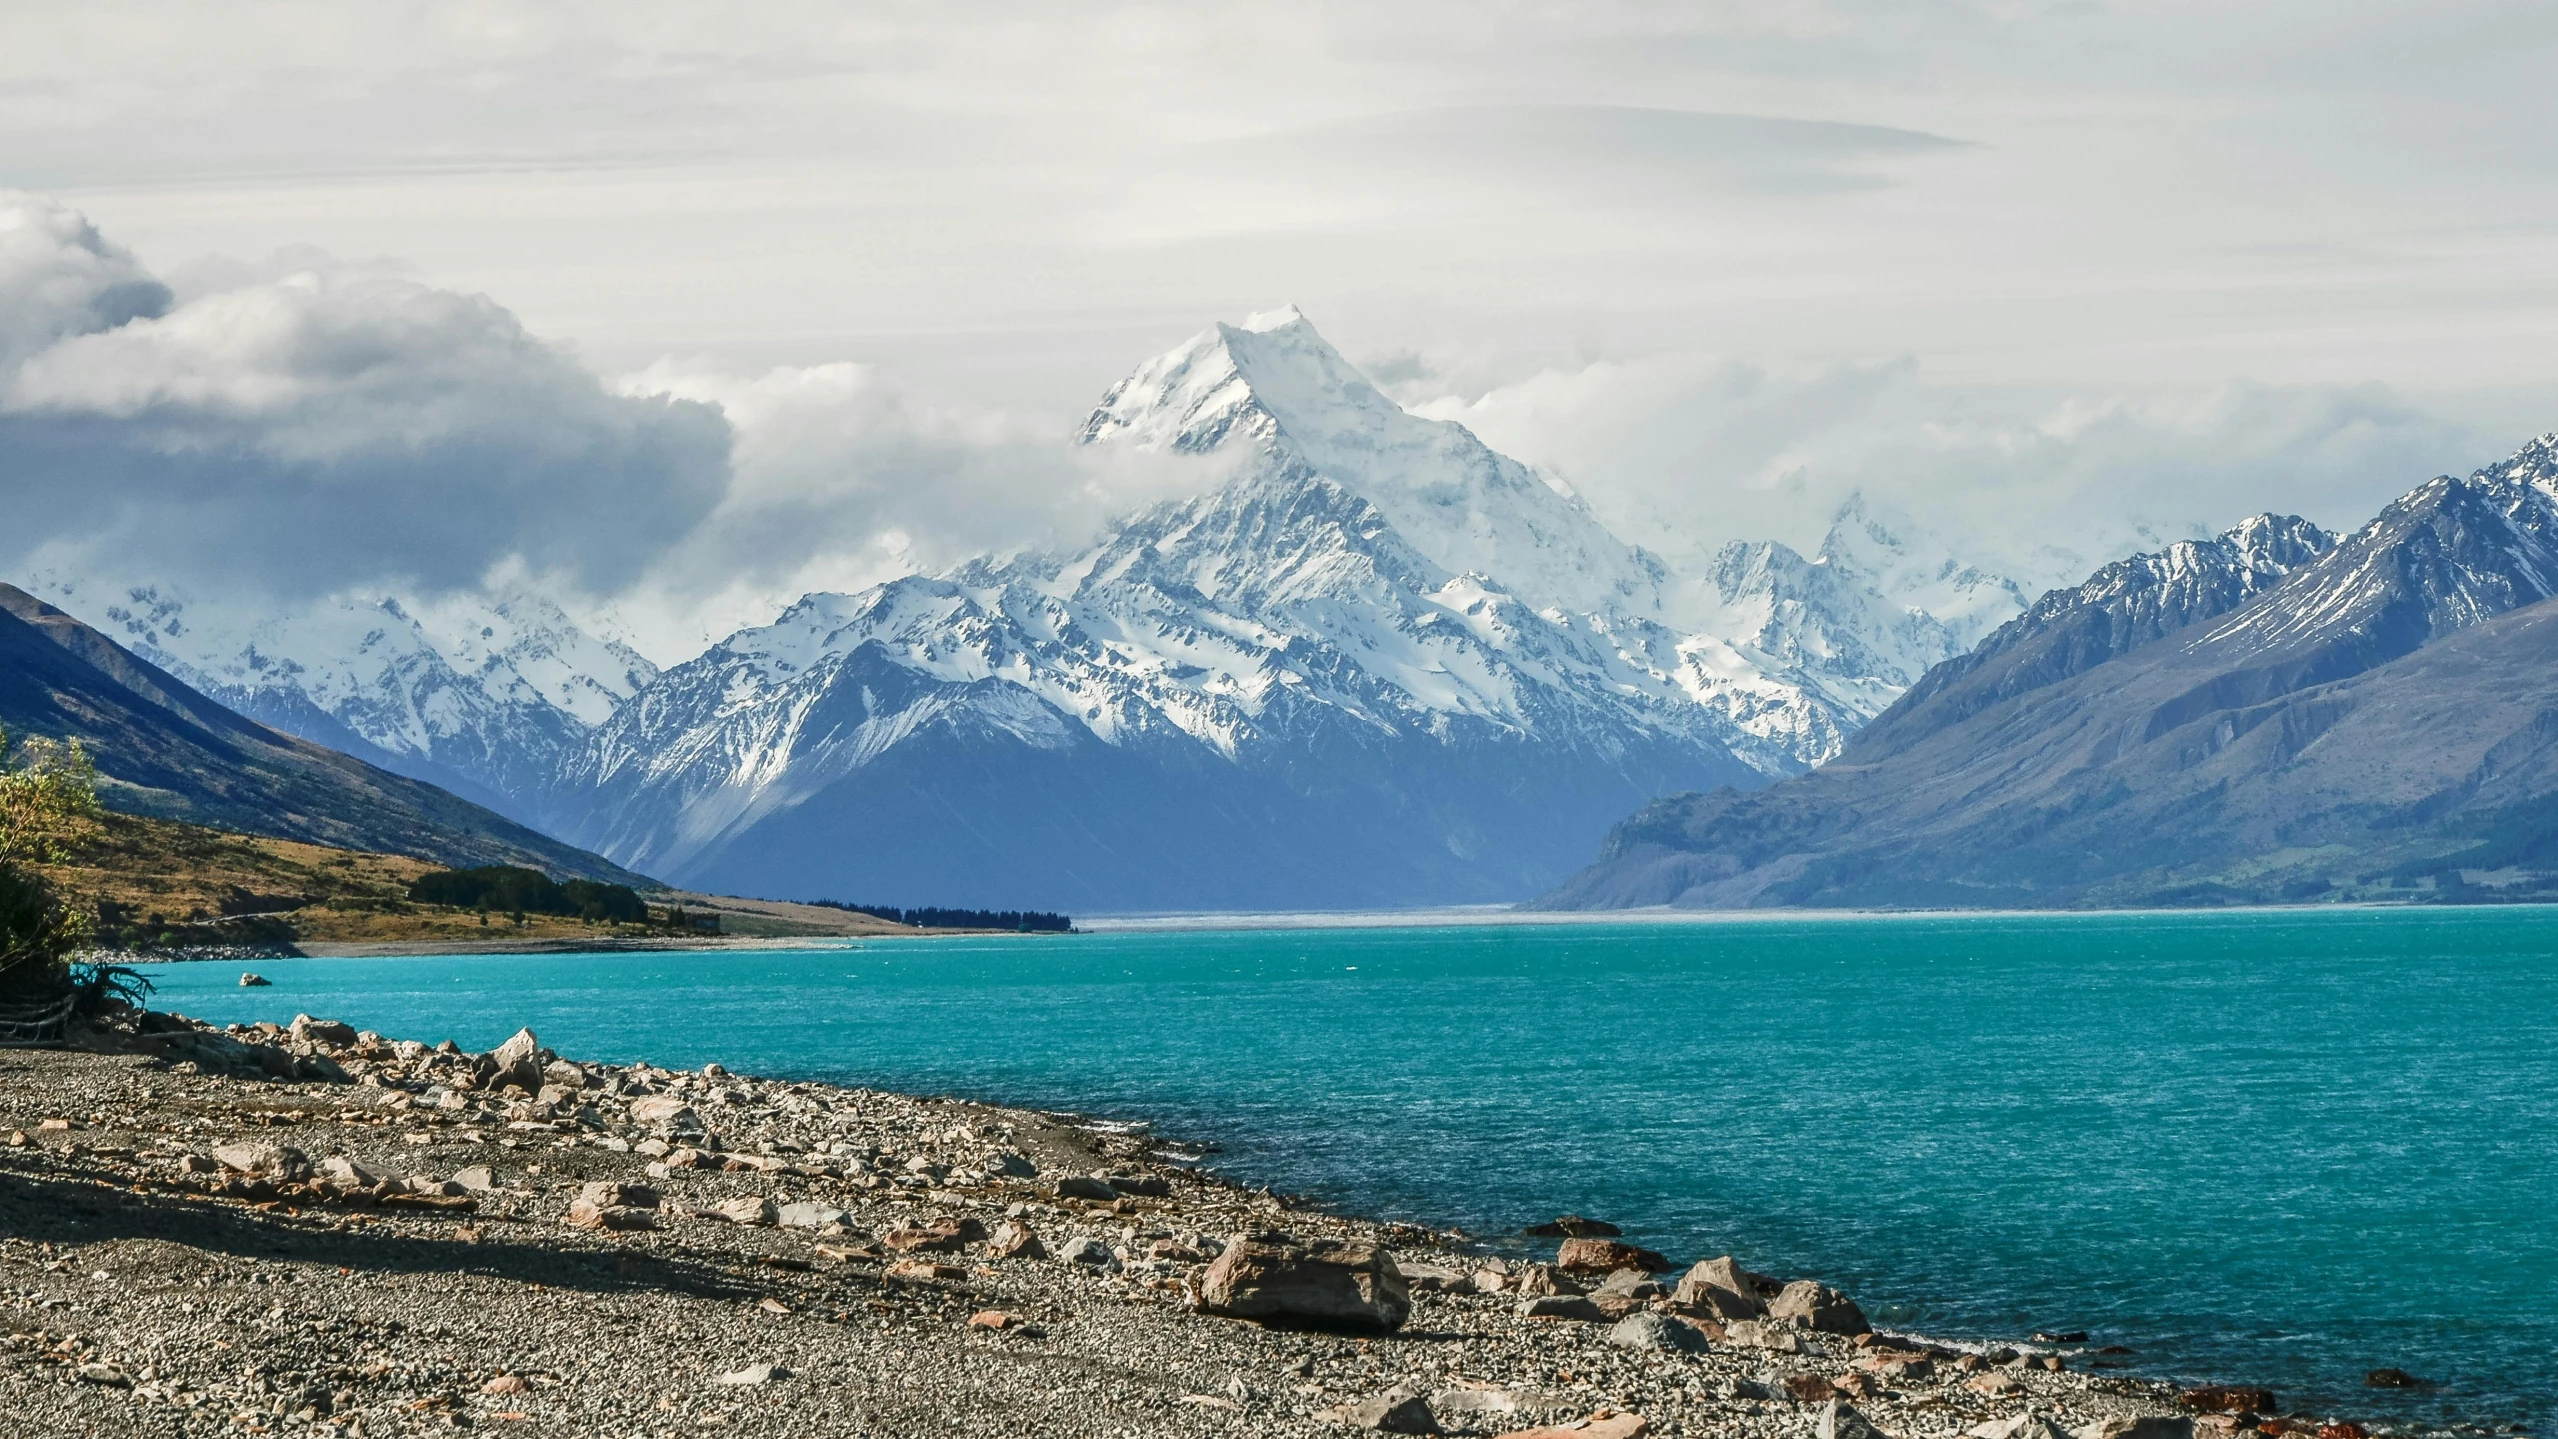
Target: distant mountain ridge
(164,750)
(2278,713)
(481,696)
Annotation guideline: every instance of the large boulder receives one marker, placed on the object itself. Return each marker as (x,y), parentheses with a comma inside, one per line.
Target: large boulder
(1719,1288)
(518,1062)
(1606,1256)
(1813,1305)
(322,1031)
(1656,1332)
(1322,1282)
(1840,1420)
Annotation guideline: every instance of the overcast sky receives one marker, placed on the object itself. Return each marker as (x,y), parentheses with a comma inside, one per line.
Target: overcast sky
(686,306)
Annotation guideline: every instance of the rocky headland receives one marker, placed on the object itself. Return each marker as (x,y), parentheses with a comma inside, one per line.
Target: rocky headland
(314,1230)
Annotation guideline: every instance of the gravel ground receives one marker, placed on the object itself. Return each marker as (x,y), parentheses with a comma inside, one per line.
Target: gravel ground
(261,1232)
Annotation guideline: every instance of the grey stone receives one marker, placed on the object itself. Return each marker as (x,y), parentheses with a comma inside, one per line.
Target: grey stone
(1085,1186)
(1656,1332)
(1839,1420)
(1562,1306)
(808,1214)
(1085,1250)
(1761,1334)
(1012,1166)
(1400,1410)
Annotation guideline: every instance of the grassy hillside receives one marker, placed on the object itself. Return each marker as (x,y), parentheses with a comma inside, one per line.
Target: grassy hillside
(157,882)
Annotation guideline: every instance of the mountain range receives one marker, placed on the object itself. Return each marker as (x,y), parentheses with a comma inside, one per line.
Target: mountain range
(162,749)
(2275,714)
(1371,662)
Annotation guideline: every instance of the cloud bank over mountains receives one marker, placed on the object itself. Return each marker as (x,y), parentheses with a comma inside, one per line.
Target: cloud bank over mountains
(303,427)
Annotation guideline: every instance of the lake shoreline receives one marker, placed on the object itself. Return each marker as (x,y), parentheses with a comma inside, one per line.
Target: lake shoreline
(712,1157)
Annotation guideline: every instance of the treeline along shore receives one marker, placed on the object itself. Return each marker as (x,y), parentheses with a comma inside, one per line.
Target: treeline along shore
(310,1229)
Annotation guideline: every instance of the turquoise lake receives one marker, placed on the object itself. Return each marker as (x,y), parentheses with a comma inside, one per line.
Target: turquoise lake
(2280,1148)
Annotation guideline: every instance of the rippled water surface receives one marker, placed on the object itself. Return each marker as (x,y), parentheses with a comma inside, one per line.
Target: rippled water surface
(2278,1148)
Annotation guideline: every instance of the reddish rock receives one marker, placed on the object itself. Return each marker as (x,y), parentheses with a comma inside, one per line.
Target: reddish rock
(1810,1388)
(1817,1307)
(2230,1399)
(942,1236)
(1604,1256)
(1013,1239)
(1719,1289)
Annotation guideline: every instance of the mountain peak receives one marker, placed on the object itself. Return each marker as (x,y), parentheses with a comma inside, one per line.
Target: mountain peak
(1271,373)
(1278,319)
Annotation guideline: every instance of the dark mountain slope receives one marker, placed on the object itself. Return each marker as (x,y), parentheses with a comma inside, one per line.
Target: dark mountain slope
(166,751)
(2374,717)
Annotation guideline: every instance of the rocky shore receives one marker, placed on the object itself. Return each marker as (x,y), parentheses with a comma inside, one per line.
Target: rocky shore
(312,1230)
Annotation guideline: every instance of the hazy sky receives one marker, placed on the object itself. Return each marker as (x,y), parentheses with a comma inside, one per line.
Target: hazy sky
(2037,272)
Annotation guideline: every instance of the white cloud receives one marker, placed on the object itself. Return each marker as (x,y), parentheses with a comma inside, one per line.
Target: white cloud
(1692,451)
(302,433)
(59,277)
(845,478)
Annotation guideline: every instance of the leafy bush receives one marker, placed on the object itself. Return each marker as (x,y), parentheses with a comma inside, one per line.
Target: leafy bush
(48,797)
(511,889)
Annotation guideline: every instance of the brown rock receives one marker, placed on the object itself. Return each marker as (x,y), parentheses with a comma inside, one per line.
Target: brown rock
(1316,1281)
(1533,1279)
(1810,1388)
(505,1384)
(1718,1288)
(913,1268)
(1602,1256)
(1605,1424)
(1857,1386)
(1562,1306)
(943,1235)
(1995,1385)
(613,1193)
(587,1214)
(1817,1307)
(665,1111)
(279,1163)
(2230,1399)
(1013,1239)
(992,1319)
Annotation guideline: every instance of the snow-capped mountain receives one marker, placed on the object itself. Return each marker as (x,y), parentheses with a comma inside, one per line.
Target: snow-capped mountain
(1876,606)
(1377,663)
(482,695)
(2276,714)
